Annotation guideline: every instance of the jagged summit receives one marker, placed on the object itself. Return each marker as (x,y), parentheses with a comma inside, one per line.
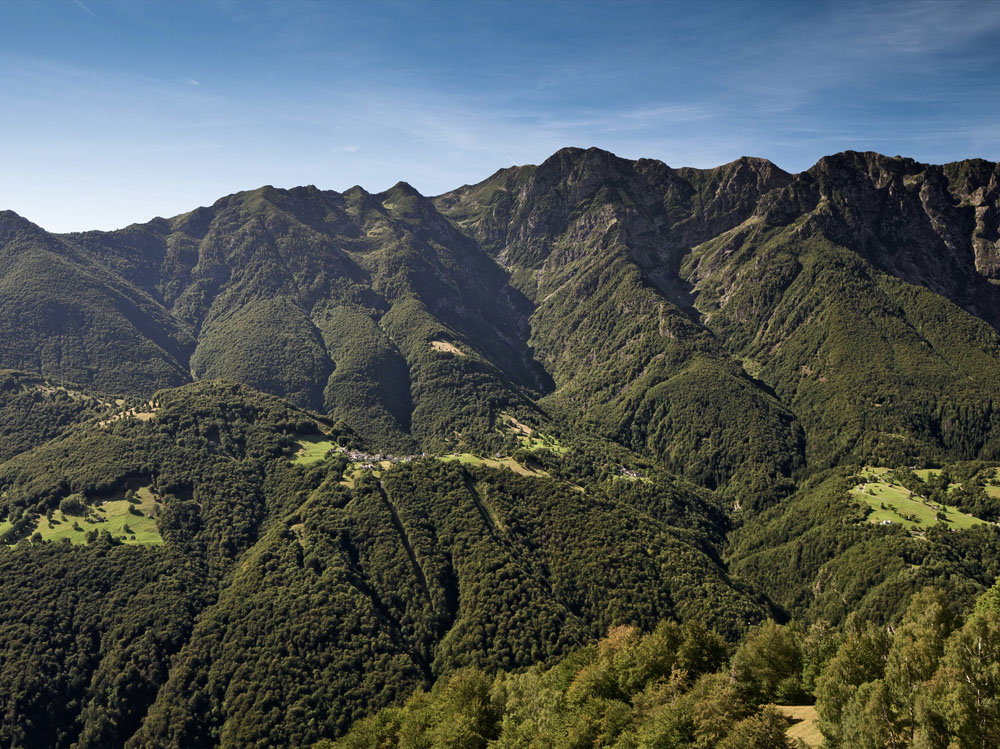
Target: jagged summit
(597,282)
(402,188)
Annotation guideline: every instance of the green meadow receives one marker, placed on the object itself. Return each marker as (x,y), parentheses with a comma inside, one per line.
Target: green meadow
(896,504)
(509,463)
(113,516)
(531,439)
(313,449)
(993,491)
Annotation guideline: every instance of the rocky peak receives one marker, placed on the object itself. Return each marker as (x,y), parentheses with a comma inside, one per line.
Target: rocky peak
(402,198)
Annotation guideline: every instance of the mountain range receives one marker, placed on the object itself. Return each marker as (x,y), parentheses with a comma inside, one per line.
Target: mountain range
(587,393)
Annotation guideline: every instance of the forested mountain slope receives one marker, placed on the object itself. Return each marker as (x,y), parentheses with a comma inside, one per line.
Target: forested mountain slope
(374,583)
(272,465)
(718,319)
(594,241)
(65,314)
(864,293)
(33,410)
(329,300)
(89,630)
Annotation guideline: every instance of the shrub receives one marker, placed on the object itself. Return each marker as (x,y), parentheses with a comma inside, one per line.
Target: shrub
(73,505)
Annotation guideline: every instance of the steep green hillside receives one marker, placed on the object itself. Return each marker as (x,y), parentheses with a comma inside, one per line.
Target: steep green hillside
(829,296)
(91,622)
(372,589)
(861,291)
(33,410)
(333,301)
(329,453)
(594,241)
(818,556)
(65,314)
(88,634)
(431,568)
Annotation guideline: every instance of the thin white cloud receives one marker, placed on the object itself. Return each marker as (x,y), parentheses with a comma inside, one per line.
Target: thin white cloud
(155,144)
(79,4)
(613,120)
(921,26)
(862,44)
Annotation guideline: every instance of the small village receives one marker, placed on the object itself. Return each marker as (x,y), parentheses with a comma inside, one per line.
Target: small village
(372,460)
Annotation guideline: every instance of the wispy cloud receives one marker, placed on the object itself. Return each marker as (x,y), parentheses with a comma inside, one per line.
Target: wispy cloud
(80,4)
(302,92)
(864,47)
(613,119)
(917,27)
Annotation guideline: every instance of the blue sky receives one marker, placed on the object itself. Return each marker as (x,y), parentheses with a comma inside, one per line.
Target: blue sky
(113,112)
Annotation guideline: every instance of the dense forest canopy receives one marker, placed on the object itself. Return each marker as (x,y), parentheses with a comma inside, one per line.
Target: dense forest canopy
(932,681)
(592,453)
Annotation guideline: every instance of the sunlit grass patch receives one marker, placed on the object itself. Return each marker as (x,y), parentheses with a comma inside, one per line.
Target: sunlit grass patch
(128,522)
(991,489)
(509,463)
(313,449)
(446,348)
(892,503)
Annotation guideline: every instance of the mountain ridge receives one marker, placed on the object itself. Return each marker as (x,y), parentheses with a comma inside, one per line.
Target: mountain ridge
(334,299)
(380,441)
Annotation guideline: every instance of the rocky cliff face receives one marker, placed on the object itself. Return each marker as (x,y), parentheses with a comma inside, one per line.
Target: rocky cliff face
(928,225)
(786,275)
(596,242)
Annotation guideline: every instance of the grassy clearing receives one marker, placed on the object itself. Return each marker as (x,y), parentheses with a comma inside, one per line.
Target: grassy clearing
(993,491)
(351,475)
(511,422)
(874,472)
(446,348)
(509,463)
(925,474)
(148,413)
(313,449)
(529,439)
(467,459)
(512,465)
(890,502)
(354,471)
(805,724)
(141,529)
(543,442)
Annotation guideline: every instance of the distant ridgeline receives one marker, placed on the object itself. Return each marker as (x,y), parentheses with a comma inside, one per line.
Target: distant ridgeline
(303,458)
